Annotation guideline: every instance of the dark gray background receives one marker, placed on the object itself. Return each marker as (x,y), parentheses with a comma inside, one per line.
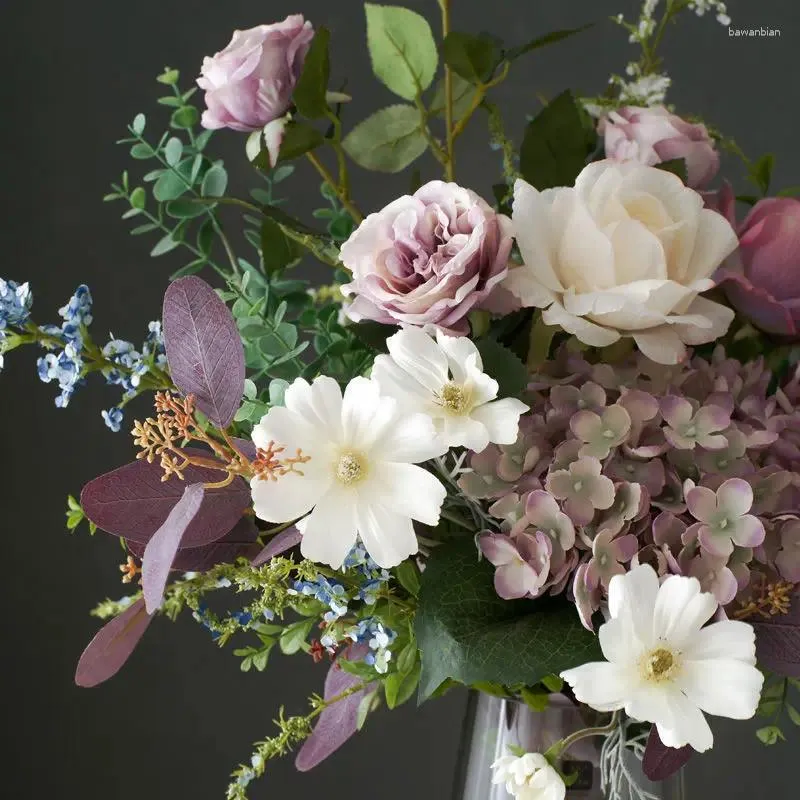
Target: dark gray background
(181,714)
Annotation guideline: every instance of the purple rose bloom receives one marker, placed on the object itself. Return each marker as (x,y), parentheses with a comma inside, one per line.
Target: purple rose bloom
(762,279)
(427,259)
(653,135)
(250,82)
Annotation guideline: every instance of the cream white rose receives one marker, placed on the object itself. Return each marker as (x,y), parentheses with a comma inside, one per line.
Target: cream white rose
(625,252)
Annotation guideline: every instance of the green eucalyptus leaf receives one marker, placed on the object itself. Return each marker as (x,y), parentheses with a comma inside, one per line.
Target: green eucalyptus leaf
(189,269)
(474,58)
(142,151)
(277,391)
(215,181)
(137,126)
(299,138)
(467,633)
(186,117)
(557,144)
(542,41)
(164,245)
(169,77)
(173,151)
(169,186)
(309,93)
(388,141)
(402,49)
(186,208)
(138,198)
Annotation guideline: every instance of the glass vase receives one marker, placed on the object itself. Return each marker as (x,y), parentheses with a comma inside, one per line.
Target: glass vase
(493,724)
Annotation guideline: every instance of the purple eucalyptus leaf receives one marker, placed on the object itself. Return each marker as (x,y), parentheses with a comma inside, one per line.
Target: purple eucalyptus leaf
(240,541)
(133,502)
(163,547)
(778,641)
(660,761)
(204,351)
(338,722)
(284,541)
(112,645)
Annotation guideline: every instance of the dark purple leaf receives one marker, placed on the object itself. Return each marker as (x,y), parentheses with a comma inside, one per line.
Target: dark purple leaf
(133,502)
(246,447)
(163,547)
(660,761)
(284,541)
(338,722)
(240,541)
(778,641)
(112,645)
(204,352)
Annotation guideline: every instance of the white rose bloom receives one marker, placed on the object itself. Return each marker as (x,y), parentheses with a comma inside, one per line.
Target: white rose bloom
(445,380)
(529,777)
(358,478)
(663,666)
(624,253)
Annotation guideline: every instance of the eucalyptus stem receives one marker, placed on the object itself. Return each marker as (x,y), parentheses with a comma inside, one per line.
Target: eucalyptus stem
(351,209)
(478,98)
(563,745)
(450,166)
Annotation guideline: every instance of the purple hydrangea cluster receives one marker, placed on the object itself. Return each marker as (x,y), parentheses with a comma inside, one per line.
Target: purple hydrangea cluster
(694,469)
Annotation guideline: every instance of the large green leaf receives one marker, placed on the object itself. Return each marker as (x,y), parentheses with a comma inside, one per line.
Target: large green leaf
(299,138)
(542,41)
(309,93)
(474,58)
(504,366)
(556,144)
(402,49)
(463,96)
(388,141)
(468,634)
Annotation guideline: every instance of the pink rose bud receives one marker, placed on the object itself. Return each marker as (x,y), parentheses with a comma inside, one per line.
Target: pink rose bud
(653,135)
(427,259)
(250,82)
(762,279)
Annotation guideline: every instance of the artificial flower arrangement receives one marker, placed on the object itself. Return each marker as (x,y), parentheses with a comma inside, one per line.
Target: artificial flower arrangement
(547,444)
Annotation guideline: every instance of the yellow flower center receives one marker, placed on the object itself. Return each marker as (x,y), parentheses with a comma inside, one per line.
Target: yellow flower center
(455,399)
(350,468)
(659,665)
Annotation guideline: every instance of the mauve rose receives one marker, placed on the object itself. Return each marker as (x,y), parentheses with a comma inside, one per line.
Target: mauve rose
(762,278)
(250,82)
(653,135)
(427,259)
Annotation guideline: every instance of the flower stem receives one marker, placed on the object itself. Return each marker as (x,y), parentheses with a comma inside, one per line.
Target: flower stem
(560,747)
(351,209)
(450,166)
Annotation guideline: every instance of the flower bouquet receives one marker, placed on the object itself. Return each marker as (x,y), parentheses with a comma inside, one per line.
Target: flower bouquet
(545,446)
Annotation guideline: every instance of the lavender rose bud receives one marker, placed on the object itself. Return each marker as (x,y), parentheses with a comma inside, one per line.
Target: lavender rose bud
(762,279)
(653,135)
(427,259)
(250,82)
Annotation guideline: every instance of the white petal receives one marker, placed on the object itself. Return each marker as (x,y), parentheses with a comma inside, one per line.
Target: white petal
(681,610)
(329,531)
(458,351)
(418,354)
(726,639)
(365,414)
(719,317)
(501,418)
(388,537)
(714,241)
(661,344)
(458,431)
(410,438)
(522,282)
(410,490)
(632,598)
(722,686)
(319,404)
(617,643)
(586,331)
(600,685)
(288,497)
(395,382)
(688,725)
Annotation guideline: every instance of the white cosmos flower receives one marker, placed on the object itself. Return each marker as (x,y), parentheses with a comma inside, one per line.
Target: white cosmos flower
(625,252)
(529,777)
(663,666)
(360,479)
(444,379)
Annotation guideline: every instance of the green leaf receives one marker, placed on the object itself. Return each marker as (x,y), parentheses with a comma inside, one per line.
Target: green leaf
(137,126)
(407,658)
(186,208)
(505,367)
(541,337)
(398,688)
(294,636)
(402,49)
(186,117)
(138,198)
(770,735)
(677,166)
(169,186)
(407,575)
(542,41)
(474,58)
(556,144)
(794,714)
(173,151)
(142,151)
(388,141)
(169,77)
(299,138)
(553,683)
(535,700)
(189,269)
(309,93)
(463,94)
(277,249)
(761,172)
(215,181)
(469,634)
(277,391)
(164,245)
